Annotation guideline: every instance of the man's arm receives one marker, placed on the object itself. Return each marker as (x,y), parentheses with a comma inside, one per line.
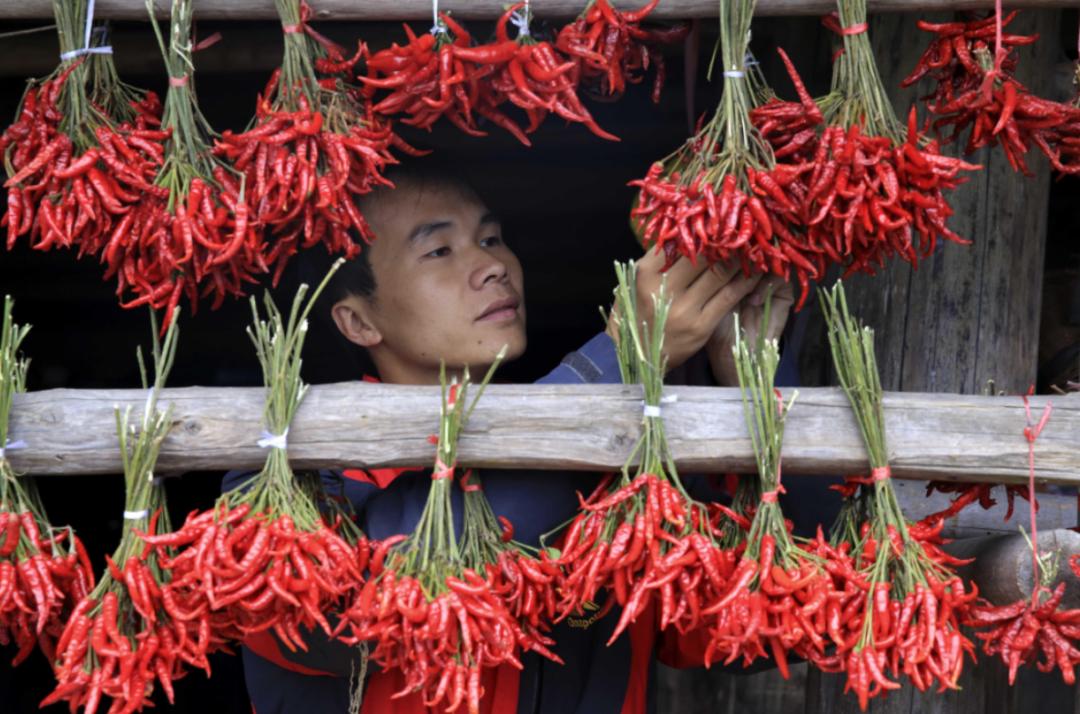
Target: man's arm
(595,362)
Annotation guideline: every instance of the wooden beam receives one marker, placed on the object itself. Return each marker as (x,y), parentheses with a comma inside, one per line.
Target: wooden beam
(485,9)
(579,427)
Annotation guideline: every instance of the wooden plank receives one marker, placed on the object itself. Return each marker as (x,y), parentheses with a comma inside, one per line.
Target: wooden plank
(485,9)
(582,427)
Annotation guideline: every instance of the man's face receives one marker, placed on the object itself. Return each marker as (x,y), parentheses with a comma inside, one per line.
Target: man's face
(447,286)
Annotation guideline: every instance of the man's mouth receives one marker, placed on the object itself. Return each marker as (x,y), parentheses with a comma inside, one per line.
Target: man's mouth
(500,310)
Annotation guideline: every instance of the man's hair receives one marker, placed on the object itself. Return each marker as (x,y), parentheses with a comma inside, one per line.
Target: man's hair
(356,276)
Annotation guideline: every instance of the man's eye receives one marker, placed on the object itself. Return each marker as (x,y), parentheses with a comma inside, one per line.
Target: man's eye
(438,253)
(490,241)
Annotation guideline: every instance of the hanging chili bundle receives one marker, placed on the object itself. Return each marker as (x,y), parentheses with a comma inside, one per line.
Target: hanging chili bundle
(789,127)
(972,65)
(873,189)
(427,79)
(530,74)
(775,603)
(171,243)
(426,611)
(120,637)
(905,614)
(641,540)
(1020,632)
(262,557)
(612,50)
(721,196)
(44,570)
(524,578)
(82,149)
(312,149)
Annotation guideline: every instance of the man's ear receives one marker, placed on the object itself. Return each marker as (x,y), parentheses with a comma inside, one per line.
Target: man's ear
(352,316)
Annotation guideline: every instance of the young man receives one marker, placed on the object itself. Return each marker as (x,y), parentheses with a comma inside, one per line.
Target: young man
(440,283)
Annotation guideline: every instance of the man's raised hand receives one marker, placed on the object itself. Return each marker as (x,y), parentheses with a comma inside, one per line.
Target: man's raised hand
(702,296)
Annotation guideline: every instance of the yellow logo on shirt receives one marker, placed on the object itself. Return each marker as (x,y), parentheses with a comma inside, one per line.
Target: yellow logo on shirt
(584,623)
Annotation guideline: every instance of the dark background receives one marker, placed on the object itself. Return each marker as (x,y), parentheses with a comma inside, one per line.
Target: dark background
(564,205)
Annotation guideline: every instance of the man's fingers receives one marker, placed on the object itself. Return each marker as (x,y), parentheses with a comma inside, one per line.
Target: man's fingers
(680,274)
(728,297)
(683,274)
(780,290)
(705,286)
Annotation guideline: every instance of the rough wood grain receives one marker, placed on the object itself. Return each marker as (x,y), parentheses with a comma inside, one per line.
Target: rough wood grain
(473,9)
(931,436)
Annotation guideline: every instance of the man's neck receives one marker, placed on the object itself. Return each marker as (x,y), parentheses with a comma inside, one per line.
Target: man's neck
(398,372)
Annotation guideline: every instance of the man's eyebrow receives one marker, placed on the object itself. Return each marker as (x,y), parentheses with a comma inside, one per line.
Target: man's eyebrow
(425,229)
(489,218)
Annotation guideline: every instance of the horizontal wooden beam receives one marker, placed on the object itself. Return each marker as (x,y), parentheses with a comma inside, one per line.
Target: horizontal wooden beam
(578,427)
(486,9)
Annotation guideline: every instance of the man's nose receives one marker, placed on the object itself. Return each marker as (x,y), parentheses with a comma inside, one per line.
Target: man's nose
(488,268)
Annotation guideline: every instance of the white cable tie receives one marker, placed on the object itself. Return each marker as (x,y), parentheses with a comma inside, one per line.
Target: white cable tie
(11,446)
(734,73)
(72,54)
(86,48)
(653,410)
(436,26)
(273,441)
(135,515)
(520,20)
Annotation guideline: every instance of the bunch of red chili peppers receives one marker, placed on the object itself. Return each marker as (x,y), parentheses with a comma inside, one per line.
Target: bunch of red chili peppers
(522,577)
(872,189)
(972,65)
(427,80)
(120,638)
(641,541)
(775,599)
(83,149)
(611,49)
(906,605)
(1033,627)
(313,148)
(263,558)
(169,244)
(426,606)
(722,196)
(790,187)
(441,74)
(44,570)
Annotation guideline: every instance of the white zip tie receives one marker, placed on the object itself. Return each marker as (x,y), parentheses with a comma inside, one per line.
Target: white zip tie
(135,515)
(734,73)
(436,26)
(273,441)
(86,48)
(11,446)
(520,20)
(652,411)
